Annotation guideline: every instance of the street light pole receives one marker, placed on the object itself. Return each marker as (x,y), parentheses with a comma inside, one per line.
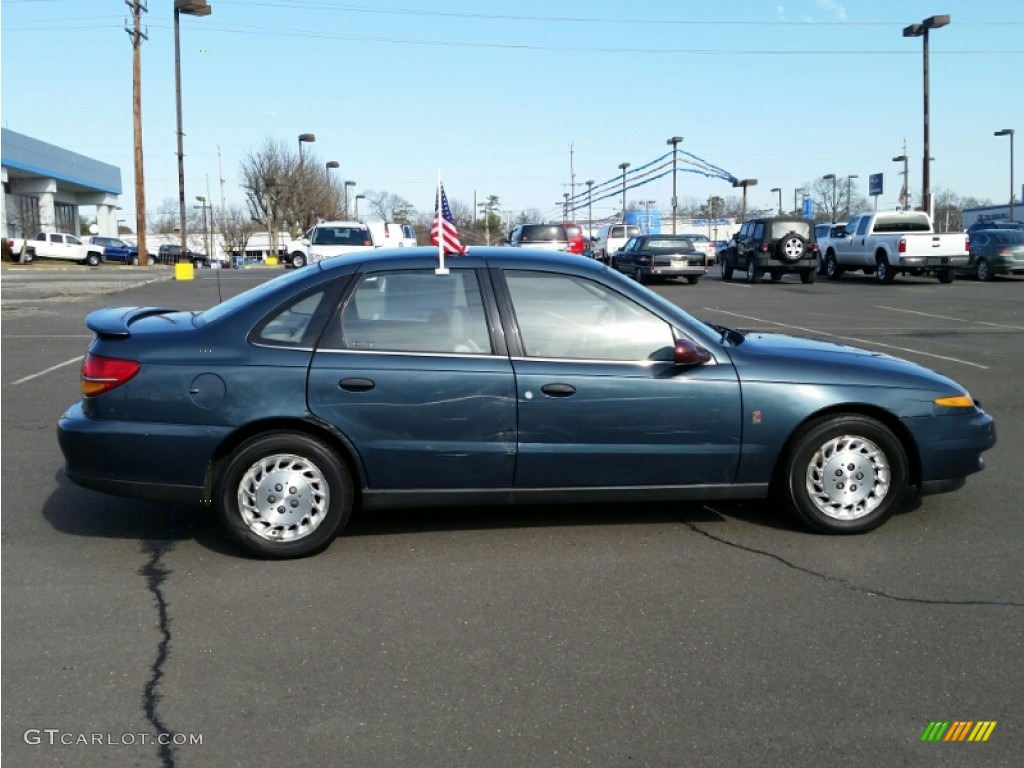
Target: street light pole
(849,190)
(348,183)
(744,183)
(623,167)
(330,164)
(1009,132)
(305,137)
(190,8)
(921,30)
(796,206)
(905,191)
(674,141)
(832,176)
(590,207)
(357,199)
(779,190)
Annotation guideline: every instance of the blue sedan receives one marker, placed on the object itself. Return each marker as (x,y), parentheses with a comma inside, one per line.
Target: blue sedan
(514,377)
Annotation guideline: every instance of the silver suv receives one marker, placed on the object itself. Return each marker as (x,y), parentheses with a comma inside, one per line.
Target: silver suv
(611,237)
(550,236)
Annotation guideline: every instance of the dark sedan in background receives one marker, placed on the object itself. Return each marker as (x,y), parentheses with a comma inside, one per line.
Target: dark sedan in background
(646,257)
(513,376)
(995,252)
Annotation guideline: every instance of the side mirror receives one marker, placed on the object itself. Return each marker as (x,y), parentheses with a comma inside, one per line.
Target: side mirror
(688,353)
(305,241)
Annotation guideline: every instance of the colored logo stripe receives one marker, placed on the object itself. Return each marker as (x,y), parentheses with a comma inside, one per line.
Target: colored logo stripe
(958,730)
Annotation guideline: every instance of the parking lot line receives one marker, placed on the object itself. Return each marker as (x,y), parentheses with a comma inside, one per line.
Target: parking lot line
(45,371)
(955,319)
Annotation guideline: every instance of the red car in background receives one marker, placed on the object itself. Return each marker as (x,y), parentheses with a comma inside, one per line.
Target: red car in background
(574,233)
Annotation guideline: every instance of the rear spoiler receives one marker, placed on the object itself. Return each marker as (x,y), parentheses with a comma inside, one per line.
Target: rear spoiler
(113,322)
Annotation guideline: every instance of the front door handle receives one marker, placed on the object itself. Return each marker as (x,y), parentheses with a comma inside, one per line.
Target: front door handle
(357,385)
(558,390)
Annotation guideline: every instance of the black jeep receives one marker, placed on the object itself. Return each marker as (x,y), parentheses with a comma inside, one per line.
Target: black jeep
(772,246)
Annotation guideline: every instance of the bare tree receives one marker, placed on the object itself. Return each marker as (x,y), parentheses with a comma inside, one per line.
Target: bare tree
(294,192)
(236,228)
(390,207)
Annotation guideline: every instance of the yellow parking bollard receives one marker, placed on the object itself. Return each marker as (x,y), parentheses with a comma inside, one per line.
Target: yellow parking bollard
(184,271)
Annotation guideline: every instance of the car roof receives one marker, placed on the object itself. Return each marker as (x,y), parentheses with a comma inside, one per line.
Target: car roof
(478,256)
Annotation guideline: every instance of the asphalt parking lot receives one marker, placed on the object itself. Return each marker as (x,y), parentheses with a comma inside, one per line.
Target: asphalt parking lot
(648,635)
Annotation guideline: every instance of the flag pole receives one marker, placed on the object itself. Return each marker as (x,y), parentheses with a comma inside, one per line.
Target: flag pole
(439,219)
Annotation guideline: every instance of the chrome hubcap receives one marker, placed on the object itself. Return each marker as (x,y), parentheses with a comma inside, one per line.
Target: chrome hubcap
(848,477)
(283,497)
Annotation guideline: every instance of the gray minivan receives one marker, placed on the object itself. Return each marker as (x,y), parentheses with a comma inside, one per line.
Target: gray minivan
(611,237)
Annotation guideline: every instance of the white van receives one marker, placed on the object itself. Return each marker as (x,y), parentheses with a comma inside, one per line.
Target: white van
(611,237)
(387,234)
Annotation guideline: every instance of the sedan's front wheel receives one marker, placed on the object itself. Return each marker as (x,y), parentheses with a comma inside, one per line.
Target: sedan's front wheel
(845,474)
(284,495)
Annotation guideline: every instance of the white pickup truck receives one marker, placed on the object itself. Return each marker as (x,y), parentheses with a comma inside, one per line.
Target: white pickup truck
(336,238)
(55,245)
(904,242)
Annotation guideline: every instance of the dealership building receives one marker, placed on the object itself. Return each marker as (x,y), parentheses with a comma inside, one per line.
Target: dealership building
(45,186)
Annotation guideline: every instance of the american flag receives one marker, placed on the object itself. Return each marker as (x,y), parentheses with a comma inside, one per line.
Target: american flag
(443,229)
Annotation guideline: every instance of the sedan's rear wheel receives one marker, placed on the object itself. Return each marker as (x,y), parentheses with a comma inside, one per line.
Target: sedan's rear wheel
(984,271)
(284,495)
(845,474)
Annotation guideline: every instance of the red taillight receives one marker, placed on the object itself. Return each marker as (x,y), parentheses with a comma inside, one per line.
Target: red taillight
(102,374)
(903,245)
(967,243)
(764,248)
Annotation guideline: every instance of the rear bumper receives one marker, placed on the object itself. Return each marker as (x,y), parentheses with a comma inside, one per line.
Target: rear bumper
(933,262)
(162,462)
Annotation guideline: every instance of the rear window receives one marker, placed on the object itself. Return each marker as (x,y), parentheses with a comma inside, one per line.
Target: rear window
(573,231)
(1010,237)
(545,233)
(669,242)
(904,223)
(783,228)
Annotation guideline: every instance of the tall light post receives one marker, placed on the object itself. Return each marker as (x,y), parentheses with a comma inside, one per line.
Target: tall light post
(849,190)
(190,8)
(796,205)
(305,138)
(1009,132)
(590,207)
(779,190)
(744,183)
(330,164)
(832,176)
(357,199)
(921,30)
(905,190)
(674,141)
(348,183)
(623,167)
(204,203)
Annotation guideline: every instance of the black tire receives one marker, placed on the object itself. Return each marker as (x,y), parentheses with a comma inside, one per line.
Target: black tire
(844,474)
(808,276)
(92,260)
(638,275)
(134,261)
(984,271)
(28,256)
(754,272)
(298,260)
(884,272)
(832,268)
(310,477)
(792,247)
(947,276)
(692,279)
(726,269)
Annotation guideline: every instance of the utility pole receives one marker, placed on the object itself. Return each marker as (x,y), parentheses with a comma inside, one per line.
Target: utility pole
(137,36)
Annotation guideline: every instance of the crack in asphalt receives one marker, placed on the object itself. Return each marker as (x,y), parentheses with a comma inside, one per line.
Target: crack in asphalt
(844,582)
(155,574)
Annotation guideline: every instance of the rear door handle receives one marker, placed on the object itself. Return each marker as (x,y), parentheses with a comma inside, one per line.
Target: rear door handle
(356,385)
(558,390)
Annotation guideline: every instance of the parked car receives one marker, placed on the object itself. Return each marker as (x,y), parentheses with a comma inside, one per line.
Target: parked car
(55,245)
(169,253)
(825,234)
(574,234)
(521,376)
(704,244)
(329,239)
(115,249)
(550,236)
(995,252)
(610,238)
(774,246)
(994,224)
(646,257)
